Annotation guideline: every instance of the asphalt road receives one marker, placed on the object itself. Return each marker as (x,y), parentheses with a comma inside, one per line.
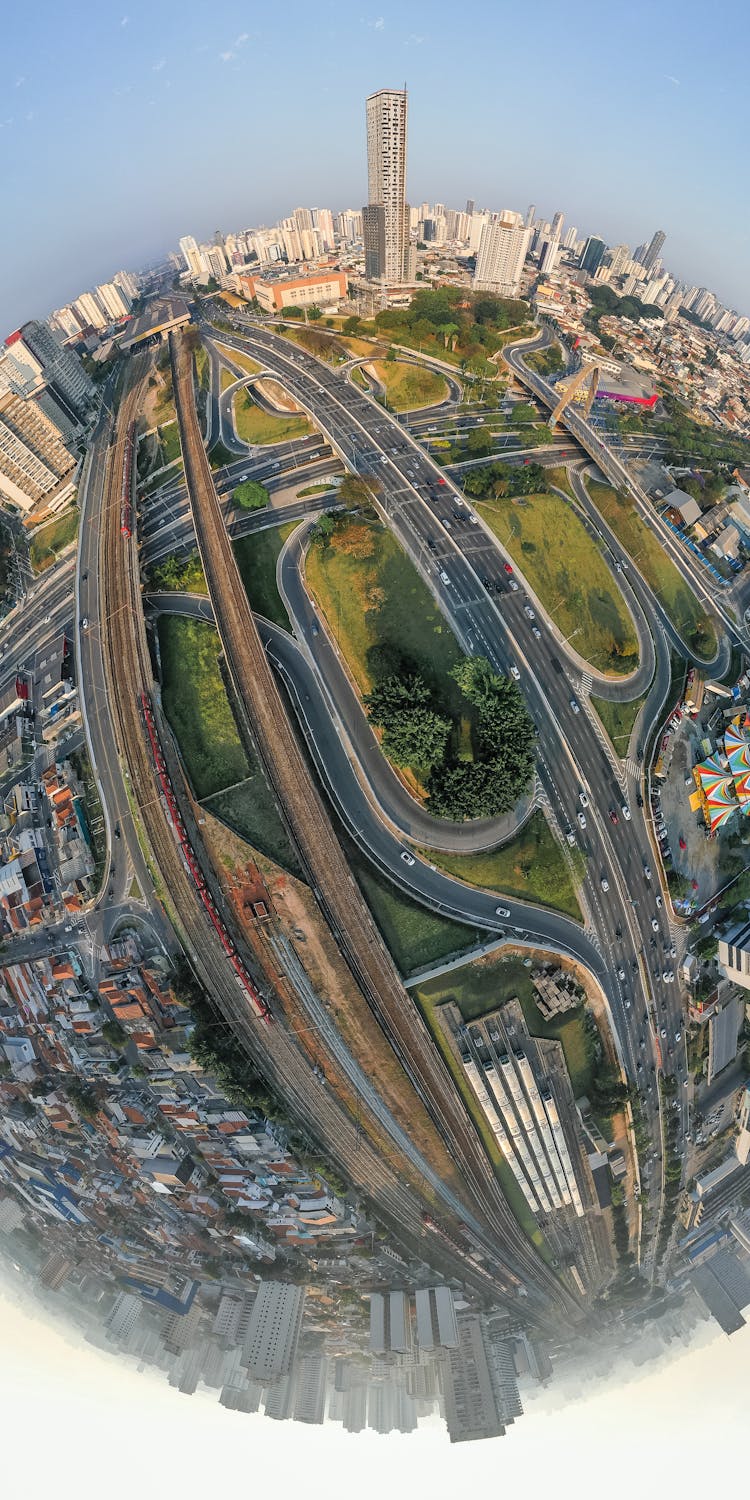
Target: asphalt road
(572,757)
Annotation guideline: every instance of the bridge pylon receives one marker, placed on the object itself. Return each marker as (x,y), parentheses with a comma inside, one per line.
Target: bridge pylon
(588,375)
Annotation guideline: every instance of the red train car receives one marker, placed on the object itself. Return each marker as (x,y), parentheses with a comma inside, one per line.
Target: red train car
(258,1004)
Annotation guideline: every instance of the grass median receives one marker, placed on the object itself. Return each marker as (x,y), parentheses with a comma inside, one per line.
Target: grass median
(618,720)
(408,386)
(531,867)
(49,541)
(257,555)
(567,571)
(254,425)
(644,547)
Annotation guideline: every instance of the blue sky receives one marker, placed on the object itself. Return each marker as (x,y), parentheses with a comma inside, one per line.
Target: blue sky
(123,126)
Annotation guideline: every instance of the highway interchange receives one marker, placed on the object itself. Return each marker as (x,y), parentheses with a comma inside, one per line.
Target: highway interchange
(466,570)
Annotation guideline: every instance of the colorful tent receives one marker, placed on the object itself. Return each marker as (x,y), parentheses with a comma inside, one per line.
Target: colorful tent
(716,787)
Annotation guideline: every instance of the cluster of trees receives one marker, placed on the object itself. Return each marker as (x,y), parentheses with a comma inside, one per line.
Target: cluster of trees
(505,480)
(215,1048)
(686,436)
(420,732)
(250,495)
(178,575)
(455,320)
(546,361)
(604,300)
(503,763)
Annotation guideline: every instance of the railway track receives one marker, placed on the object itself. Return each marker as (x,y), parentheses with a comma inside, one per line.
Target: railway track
(287,1068)
(340,899)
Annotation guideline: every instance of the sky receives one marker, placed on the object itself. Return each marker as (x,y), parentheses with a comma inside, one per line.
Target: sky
(124,126)
(75,1417)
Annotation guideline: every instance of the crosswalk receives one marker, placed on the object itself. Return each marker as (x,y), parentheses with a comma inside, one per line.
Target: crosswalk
(587,682)
(633,769)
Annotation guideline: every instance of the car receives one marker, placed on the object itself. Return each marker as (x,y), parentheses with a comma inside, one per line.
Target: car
(407,857)
(513,585)
(575,705)
(85,623)
(673,951)
(507,567)
(663,1033)
(440,481)
(639,799)
(621,972)
(665,976)
(678,1036)
(659,901)
(68,927)
(515,674)
(684,1085)
(625,812)
(447,524)
(582,798)
(604,883)
(654,924)
(581,820)
(570,836)
(647,871)
(536,632)
(444,576)
(117,831)
(529,613)
(472,519)
(613,818)
(502,911)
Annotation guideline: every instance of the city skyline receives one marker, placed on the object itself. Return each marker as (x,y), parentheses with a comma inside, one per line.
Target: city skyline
(138,88)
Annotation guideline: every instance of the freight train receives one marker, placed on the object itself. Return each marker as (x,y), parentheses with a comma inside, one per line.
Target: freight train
(126,494)
(257,1003)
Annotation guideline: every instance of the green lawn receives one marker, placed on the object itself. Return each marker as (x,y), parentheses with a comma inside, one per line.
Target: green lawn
(531,867)
(255,426)
(50,540)
(566,569)
(415,937)
(198,709)
(179,575)
(249,809)
(169,439)
(244,361)
(201,367)
(315,489)
(227,378)
(371,594)
(618,719)
(256,556)
(410,386)
(678,599)
(197,706)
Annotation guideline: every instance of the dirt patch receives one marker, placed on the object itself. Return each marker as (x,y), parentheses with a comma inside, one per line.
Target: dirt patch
(277,396)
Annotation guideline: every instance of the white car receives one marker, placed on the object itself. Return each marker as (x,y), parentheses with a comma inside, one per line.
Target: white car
(647,871)
(444,577)
(581,820)
(570,836)
(513,585)
(575,705)
(626,812)
(621,973)
(605,883)
(528,611)
(535,631)
(654,925)
(583,799)
(407,857)
(659,901)
(515,674)
(502,911)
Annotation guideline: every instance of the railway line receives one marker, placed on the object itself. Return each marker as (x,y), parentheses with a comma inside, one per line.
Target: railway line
(155,797)
(331,880)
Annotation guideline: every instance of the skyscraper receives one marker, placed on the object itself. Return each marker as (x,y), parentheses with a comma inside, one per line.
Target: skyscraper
(502,252)
(389,257)
(593,254)
(275,1323)
(653,249)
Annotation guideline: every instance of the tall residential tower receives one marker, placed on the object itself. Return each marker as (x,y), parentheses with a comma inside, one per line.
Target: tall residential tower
(389,257)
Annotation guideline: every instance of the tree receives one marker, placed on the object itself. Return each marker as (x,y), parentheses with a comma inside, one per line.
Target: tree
(250,495)
(314,313)
(351,324)
(323,529)
(413,733)
(115,1034)
(356,490)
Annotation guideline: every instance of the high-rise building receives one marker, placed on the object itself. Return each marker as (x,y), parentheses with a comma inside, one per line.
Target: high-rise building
(310,1389)
(653,250)
(88,308)
(275,1322)
(128,282)
(556,225)
(530,215)
(36,468)
(123,1317)
(55,1271)
(593,254)
(192,256)
(389,257)
(390,1327)
(469,205)
(502,252)
(114,300)
(549,256)
(34,345)
(471,1406)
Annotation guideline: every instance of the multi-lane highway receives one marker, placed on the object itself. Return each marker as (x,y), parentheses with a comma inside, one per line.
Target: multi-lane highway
(465,567)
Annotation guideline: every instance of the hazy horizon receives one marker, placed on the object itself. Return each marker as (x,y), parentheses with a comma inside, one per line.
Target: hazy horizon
(167,126)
